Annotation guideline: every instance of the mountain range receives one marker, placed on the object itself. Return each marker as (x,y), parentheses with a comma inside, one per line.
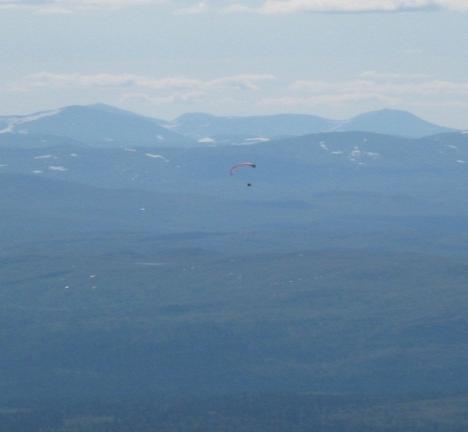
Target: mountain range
(254,128)
(105,126)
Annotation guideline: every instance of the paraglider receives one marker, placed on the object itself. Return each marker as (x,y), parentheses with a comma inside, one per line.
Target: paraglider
(238,166)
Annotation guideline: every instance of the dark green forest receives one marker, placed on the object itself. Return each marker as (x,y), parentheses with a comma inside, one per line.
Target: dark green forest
(141,294)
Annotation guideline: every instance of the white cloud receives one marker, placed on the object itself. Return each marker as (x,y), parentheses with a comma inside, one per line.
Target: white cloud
(172,98)
(249,82)
(293,102)
(395,88)
(67,6)
(356,6)
(242,82)
(193,9)
(264,7)
(140,89)
(250,92)
(397,76)
(372,88)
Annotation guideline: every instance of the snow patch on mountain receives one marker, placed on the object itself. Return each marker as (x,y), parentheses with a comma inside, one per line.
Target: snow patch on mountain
(157,156)
(46,156)
(57,168)
(15,121)
(323,146)
(257,140)
(206,140)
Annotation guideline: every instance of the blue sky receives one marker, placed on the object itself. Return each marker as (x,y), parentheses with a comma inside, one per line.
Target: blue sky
(334,58)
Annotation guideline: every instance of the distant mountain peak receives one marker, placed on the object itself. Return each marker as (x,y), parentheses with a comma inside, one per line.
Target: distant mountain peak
(392,122)
(387,112)
(96,125)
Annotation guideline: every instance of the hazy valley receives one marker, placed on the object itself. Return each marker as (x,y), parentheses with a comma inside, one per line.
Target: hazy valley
(144,287)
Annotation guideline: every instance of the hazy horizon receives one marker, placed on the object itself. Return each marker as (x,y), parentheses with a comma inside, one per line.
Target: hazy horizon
(335,59)
(215,114)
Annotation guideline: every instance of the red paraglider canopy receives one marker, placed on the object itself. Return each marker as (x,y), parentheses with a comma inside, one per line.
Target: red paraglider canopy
(235,167)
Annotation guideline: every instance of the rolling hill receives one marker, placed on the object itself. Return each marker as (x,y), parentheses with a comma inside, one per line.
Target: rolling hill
(392,122)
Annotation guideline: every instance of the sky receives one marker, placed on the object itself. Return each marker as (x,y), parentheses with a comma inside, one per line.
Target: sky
(162,58)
